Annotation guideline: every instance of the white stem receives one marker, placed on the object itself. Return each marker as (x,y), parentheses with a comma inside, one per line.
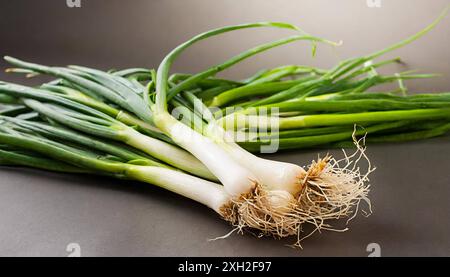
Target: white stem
(237,180)
(167,153)
(273,175)
(205,192)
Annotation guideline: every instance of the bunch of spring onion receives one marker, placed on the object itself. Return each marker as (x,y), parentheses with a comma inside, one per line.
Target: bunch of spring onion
(162,129)
(323,106)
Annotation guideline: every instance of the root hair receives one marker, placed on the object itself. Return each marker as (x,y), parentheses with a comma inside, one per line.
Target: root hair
(331,189)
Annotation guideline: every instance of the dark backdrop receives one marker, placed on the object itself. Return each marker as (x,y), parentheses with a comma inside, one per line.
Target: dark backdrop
(114,33)
(42,213)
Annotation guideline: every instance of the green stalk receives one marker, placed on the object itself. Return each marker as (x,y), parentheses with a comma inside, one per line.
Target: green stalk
(139,74)
(68,135)
(295,91)
(7,99)
(63,154)
(205,192)
(346,87)
(343,84)
(163,70)
(19,91)
(208,94)
(428,97)
(255,76)
(91,121)
(370,68)
(120,115)
(188,83)
(125,88)
(440,130)
(345,67)
(109,128)
(187,116)
(320,86)
(82,98)
(13,110)
(304,132)
(349,65)
(13,158)
(205,83)
(276,74)
(104,86)
(239,121)
(258,89)
(198,107)
(360,118)
(351,105)
(316,140)
(411,38)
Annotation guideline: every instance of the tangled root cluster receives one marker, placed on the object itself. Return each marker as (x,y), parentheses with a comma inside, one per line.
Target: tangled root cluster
(330,189)
(254,212)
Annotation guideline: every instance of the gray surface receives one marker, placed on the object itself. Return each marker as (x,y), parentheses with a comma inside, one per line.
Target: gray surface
(41,212)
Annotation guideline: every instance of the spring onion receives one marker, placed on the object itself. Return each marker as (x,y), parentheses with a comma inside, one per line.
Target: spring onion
(267,195)
(176,131)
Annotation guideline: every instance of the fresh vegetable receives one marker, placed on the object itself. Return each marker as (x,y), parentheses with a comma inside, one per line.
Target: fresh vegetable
(271,196)
(203,191)
(92,121)
(162,129)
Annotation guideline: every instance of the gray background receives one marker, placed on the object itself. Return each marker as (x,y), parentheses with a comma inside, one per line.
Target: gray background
(41,212)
